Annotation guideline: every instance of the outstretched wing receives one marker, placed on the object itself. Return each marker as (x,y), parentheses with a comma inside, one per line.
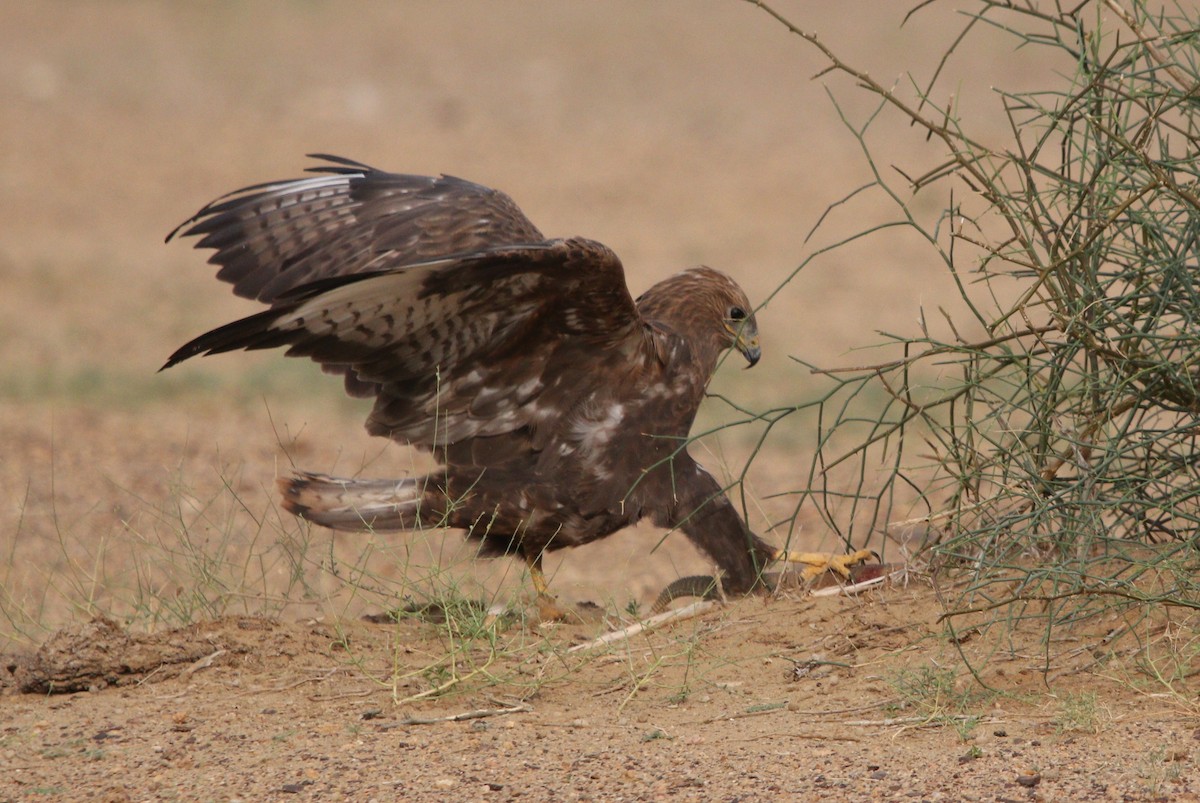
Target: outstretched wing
(274,237)
(463,346)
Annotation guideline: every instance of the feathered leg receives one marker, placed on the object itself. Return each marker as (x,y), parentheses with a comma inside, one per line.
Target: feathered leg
(548,608)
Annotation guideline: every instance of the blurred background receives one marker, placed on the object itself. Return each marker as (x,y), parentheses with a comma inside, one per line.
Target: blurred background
(676,132)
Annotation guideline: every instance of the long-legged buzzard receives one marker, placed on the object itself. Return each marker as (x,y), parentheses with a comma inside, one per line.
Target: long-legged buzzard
(557,404)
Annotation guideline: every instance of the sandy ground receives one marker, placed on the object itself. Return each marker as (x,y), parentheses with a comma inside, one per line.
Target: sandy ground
(675,132)
(826,699)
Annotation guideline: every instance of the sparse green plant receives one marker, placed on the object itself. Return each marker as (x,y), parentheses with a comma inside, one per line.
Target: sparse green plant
(1168,656)
(965,727)
(1157,768)
(935,694)
(672,664)
(930,690)
(1081,712)
(681,696)
(174,563)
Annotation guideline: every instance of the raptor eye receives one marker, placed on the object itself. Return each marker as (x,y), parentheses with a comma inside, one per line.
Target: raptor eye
(737,314)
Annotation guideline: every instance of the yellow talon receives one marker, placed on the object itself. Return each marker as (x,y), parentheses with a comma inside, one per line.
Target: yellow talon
(547,605)
(817,563)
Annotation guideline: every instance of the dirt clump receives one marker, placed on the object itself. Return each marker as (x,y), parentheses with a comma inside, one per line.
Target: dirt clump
(100,653)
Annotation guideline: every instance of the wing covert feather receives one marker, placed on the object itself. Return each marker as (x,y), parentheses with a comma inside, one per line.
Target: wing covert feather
(456,347)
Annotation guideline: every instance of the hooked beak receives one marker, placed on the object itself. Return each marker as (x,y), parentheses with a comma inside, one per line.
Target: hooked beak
(750,349)
(746,341)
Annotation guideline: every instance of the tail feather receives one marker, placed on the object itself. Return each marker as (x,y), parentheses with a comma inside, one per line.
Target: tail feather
(356,504)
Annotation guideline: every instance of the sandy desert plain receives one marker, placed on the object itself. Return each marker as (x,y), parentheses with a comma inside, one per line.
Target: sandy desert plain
(238,664)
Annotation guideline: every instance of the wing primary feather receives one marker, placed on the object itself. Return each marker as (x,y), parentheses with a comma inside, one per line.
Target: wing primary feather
(253,332)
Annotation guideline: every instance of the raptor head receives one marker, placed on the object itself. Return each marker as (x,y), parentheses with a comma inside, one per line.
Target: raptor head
(709,309)
(742,328)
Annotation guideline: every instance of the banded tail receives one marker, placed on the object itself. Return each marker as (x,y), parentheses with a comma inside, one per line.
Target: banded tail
(356,504)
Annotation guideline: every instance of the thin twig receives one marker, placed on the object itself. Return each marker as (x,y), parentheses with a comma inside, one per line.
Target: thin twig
(930,721)
(1186,85)
(979,346)
(442,688)
(289,686)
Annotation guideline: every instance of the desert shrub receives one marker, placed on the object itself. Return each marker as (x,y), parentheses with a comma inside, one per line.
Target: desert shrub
(1042,454)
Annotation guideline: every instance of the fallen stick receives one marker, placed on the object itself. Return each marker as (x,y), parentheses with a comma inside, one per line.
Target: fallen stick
(203,663)
(686,612)
(833,591)
(480,713)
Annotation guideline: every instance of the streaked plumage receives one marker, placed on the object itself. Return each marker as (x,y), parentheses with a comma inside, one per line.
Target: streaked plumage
(558,406)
